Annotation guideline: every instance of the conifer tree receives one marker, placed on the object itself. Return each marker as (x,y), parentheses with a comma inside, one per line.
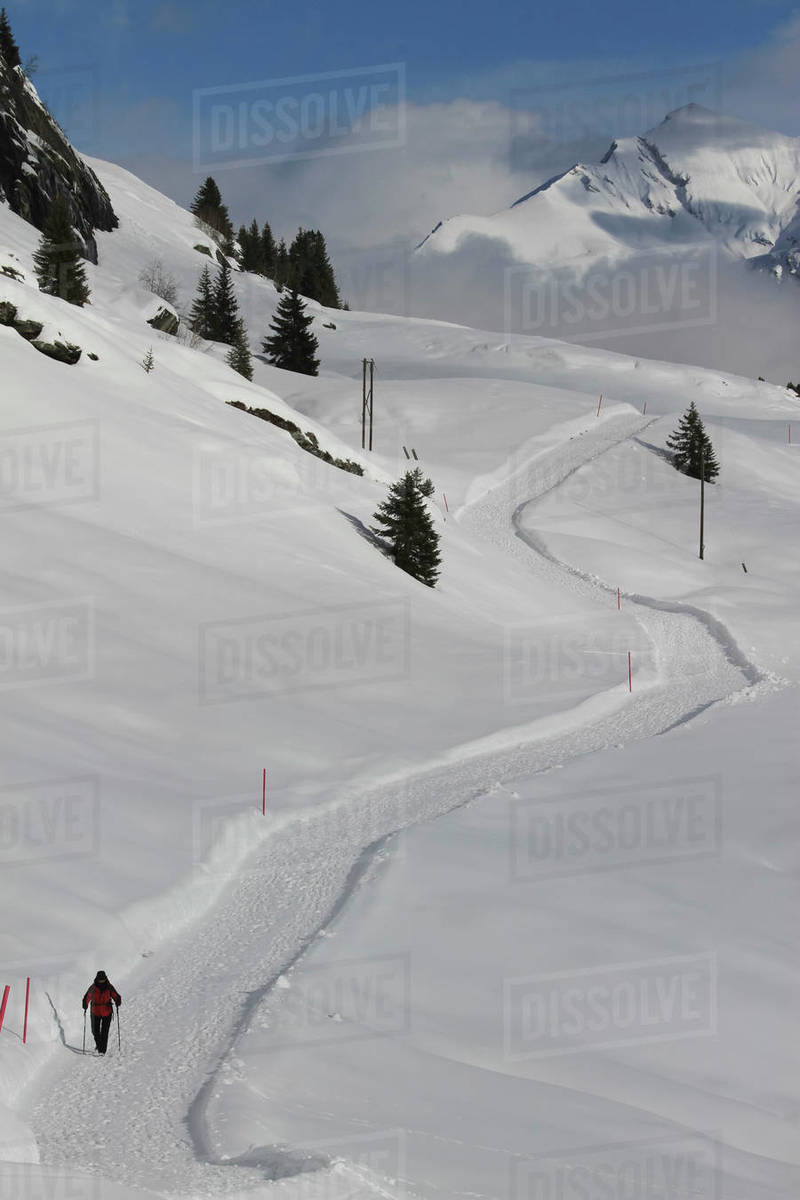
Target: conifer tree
(207,206)
(224,307)
(256,247)
(58,260)
(208,196)
(242,239)
(329,292)
(268,251)
(239,355)
(9,50)
(251,257)
(310,270)
(292,345)
(403,521)
(691,446)
(425,485)
(201,317)
(281,275)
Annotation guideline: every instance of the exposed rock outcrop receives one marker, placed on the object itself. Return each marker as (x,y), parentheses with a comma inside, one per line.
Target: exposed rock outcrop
(65,352)
(37,161)
(165,321)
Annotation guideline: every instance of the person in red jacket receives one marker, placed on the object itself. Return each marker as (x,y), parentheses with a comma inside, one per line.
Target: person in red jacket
(99,996)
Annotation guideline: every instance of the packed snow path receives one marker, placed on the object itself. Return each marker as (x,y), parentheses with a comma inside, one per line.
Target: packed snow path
(137,1117)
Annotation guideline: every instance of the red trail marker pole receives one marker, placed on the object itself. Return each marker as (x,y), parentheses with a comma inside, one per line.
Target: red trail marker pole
(447,506)
(27,997)
(790,435)
(630,678)
(619,600)
(600,401)
(6,990)
(264,793)
(644,408)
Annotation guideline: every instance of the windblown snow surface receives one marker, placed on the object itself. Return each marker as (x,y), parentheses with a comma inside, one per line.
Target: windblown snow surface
(508,928)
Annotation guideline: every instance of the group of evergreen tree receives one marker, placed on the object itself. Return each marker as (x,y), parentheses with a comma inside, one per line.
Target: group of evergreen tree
(692,452)
(309,269)
(215,316)
(304,267)
(257,250)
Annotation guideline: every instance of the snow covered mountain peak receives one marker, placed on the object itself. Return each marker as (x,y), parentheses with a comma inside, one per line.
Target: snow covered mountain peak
(698,175)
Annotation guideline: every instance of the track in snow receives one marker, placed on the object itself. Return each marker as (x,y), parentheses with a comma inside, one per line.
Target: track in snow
(138,1117)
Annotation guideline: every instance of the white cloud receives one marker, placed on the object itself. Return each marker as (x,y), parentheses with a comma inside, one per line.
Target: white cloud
(479,155)
(456,157)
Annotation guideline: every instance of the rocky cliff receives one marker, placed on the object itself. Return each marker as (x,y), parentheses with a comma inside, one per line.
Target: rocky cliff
(37,161)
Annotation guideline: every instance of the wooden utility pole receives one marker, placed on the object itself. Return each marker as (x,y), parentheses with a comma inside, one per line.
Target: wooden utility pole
(366,400)
(702,497)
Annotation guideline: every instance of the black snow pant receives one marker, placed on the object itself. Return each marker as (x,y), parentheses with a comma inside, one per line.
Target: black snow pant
(100,1028)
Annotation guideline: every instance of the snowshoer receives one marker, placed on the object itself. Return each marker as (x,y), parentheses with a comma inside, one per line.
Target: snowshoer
(100,995)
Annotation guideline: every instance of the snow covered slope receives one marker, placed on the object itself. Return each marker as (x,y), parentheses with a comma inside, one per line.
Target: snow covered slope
(189,598)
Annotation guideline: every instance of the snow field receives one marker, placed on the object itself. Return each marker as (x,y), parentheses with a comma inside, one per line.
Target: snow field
(187,530)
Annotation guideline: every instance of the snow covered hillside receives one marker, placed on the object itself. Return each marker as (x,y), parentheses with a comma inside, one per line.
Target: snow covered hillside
(190,598)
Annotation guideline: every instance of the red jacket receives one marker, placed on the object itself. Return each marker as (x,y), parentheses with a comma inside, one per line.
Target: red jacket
(100,998)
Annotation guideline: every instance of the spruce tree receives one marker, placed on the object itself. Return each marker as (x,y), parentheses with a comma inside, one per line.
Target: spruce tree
(201,317)
(239,355)
(9,50)
(425,485)
(292,345)
(207,206)
(242,239)
(403,521)
(328,291)
(224,307)
(251,257)
(691,446)
(268,251)
(281,275)
(310,270)
(256,248)
(207,196)
(57,259)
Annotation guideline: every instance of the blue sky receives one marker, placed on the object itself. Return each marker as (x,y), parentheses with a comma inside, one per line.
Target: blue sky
(168,47)
(470,66)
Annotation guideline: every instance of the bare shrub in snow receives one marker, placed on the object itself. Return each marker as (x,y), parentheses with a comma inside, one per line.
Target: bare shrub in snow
(158,281)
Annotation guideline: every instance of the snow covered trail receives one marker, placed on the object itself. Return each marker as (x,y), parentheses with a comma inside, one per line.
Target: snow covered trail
(125,1118)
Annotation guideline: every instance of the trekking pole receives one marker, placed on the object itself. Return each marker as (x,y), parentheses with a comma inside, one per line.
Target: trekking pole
(119,1035)
(84,1031)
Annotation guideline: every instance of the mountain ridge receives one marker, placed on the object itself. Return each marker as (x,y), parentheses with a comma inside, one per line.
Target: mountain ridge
(698,175)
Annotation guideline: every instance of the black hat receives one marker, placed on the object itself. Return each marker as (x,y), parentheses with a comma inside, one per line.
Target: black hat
(101,977)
